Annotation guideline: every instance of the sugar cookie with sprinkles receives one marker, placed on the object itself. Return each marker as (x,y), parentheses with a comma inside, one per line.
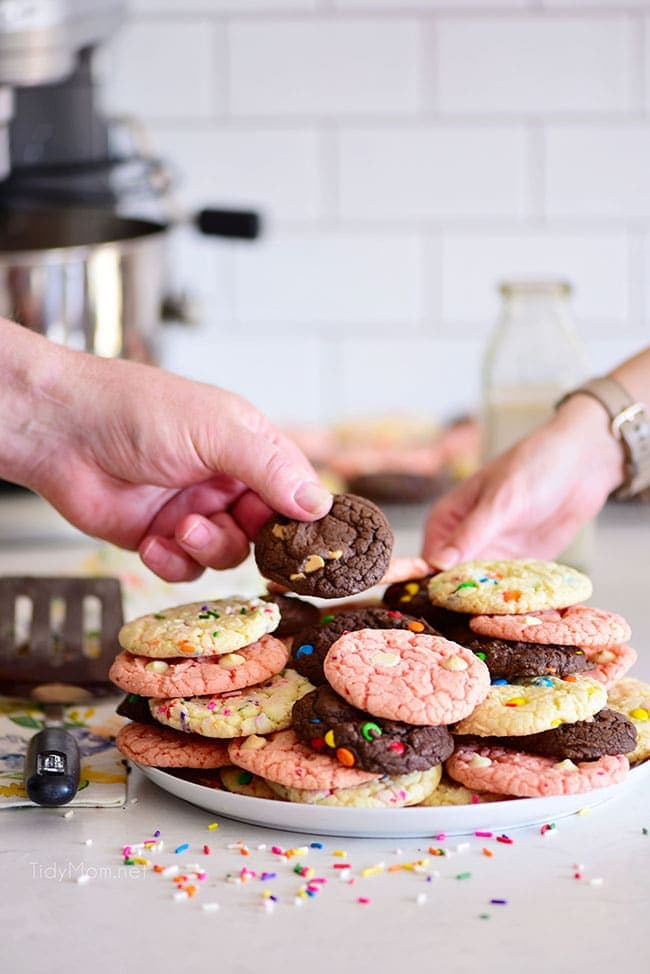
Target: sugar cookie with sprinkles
(406,676)
(631,697)
(451,792)
(389,792)
(262,709)
(577,625)
(285,760)
(610,664)
(161,747)
(508,587)
(197,677)
(534,704)
(207,628)
(531,775)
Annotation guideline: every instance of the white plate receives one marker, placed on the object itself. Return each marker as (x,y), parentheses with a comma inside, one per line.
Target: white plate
(389,823)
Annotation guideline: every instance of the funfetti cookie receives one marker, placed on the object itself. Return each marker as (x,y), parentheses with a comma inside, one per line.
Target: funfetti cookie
(610,664)
(631,697)
(197,677)
(256,710)
(241,782)
(577,625)
(506,587)
(325,722)
(607,732)
(345,552)
(207,628)
(451,792)
(284,759)
(389,792)
(405,676)
(531,775)
(160,747)
(532,705)
(311,645)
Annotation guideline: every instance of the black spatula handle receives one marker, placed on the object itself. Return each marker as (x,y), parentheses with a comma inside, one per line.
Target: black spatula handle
(52,767)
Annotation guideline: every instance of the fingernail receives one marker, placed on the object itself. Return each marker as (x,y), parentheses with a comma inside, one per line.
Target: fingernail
(196,535)
(158,558)
(313,498)
(445,558)
(149,551)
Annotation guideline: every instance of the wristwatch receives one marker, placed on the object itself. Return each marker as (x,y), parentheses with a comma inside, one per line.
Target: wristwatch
(629,423)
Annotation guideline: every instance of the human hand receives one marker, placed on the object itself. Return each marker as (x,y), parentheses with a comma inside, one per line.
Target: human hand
(182,471)
(532,500)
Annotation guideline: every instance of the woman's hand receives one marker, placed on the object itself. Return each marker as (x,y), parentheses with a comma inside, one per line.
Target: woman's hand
(532,500)
(184,472)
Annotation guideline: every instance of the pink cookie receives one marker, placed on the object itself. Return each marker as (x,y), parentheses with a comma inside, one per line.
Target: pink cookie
(161,747)
(532,775)
(401,675)
(579,625)
(282,758)
(406,570)
(201,676)
(611,663)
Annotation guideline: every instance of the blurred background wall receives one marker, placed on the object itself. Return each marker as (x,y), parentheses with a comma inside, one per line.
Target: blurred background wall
(407,155)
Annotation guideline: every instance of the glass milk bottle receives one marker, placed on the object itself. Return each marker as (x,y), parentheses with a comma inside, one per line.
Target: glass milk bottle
(533,357)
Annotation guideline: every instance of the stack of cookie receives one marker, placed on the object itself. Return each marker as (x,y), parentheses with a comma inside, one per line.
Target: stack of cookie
(208,671)
(494,661)
(388,688)
(544,727)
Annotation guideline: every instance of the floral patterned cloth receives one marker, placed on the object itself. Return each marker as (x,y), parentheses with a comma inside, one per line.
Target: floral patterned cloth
(103,775)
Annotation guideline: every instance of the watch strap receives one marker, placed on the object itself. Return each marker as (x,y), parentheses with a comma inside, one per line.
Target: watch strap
(629,423)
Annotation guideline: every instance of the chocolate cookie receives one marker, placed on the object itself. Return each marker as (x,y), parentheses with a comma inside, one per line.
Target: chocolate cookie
(295,614)
(330,725)
(509,660)
(398,488)
(345,552)
(607,732)
(411,597)
(310,646)
(136,708)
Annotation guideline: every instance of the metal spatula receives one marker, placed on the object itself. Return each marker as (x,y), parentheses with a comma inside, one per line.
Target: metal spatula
(50,653)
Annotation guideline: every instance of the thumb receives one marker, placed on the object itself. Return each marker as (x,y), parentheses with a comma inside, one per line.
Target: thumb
(275,469)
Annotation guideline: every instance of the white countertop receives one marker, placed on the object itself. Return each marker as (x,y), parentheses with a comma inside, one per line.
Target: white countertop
(551,922)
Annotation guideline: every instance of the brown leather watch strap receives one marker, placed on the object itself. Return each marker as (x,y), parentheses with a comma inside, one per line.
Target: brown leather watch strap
(630,423)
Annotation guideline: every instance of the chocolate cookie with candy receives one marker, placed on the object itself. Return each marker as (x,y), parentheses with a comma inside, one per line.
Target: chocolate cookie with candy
(311,645)
(607,732)
(328,724)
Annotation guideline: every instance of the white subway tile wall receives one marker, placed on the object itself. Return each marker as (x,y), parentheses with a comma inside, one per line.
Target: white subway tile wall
(406,156)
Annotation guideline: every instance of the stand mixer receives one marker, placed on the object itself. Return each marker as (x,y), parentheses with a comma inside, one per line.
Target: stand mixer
(40,41)
(80,260)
